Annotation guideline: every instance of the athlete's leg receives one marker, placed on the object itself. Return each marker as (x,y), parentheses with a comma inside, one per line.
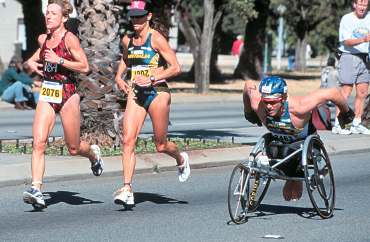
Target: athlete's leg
(159,114)
(70,117)
(361,93)
(133,121)
(43,124)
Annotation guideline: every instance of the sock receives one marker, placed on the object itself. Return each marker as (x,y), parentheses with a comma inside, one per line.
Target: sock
(356,121)
(336,122)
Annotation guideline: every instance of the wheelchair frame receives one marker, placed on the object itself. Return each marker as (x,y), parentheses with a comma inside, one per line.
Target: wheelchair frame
(250,179)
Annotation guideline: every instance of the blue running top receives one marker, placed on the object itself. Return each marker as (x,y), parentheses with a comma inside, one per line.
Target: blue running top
(283,129)
(142,59)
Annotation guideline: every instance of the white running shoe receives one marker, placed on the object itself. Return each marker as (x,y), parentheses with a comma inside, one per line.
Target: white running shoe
(97,165)
(338,130)
(359,129)
(34,197)
(184,169)
(123,196)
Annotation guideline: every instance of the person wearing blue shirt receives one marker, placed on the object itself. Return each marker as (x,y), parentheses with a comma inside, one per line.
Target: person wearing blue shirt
(13,82)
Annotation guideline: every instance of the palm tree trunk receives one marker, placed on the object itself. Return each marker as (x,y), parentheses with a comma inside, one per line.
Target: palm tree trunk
(101,104)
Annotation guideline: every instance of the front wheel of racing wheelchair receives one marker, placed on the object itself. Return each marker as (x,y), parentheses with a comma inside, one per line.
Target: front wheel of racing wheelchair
(247,186)
(319,176)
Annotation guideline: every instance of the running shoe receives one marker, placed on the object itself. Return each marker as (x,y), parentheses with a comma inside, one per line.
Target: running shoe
(338,130)
(184,169)
(123,196)
(34,197)
(97,165)
(359,129)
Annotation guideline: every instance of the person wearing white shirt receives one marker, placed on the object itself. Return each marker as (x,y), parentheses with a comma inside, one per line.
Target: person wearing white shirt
(354,65)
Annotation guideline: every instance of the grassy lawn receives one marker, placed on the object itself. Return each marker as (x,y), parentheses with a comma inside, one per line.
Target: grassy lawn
(142,146)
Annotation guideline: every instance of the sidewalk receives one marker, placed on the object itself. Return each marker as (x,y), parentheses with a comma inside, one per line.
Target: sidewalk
(15,169)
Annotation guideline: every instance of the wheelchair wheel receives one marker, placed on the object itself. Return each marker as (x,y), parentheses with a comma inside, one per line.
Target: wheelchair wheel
(245,193)
(319,176)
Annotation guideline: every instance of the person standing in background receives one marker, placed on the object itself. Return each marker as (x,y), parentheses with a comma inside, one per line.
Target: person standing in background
(353,66)
(237,46)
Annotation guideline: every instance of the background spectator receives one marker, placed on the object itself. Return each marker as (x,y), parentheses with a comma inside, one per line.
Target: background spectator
(15,85)
(329,74)
(237,46)
(291,58)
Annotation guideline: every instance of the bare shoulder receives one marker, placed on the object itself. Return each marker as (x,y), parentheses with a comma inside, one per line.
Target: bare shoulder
(158,40)
(41,39)
(71,39)
(125,40)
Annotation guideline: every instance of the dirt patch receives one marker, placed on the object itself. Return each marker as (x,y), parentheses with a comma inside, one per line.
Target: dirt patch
(298,84)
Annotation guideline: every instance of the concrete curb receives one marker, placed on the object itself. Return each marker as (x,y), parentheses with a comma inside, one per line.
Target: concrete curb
(236,155)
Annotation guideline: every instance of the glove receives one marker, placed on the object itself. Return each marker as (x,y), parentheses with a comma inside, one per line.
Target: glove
(345,117)
(253,118)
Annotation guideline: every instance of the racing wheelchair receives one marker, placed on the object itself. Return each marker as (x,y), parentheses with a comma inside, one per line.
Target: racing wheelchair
(250,179)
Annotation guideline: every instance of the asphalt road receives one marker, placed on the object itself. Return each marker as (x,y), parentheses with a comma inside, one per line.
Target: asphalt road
(212,119)
(185,119)
(167,210)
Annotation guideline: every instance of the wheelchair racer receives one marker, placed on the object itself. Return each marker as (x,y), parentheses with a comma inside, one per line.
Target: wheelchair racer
(289,120)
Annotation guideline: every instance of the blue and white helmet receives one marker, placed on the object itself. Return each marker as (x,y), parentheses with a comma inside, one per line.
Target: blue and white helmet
(273,87)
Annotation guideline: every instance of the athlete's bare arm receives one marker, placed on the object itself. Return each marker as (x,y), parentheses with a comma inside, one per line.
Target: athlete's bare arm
(33,60)
(122,67)
(160,44)
(252,103)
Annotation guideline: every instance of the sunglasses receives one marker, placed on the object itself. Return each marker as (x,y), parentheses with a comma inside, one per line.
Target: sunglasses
(272,101)
(137,17)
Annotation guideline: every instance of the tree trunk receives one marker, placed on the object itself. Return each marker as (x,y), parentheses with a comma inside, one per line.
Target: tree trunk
(206,43)
(300,55)
(34,22)
(251,59)
(102,103)
(201,41)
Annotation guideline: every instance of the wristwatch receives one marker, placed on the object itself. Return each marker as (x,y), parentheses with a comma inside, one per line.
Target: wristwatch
(152,79)
(61,61)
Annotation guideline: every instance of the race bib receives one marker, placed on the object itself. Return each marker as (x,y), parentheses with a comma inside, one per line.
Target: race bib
(51,92)
(140,71)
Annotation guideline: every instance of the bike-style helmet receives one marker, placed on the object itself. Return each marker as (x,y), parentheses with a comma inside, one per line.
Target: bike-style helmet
(273,87)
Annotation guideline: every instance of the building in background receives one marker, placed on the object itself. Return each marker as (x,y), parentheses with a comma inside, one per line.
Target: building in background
(12,32)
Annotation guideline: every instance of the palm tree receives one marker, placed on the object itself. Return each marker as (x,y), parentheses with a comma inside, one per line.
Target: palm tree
(101,103)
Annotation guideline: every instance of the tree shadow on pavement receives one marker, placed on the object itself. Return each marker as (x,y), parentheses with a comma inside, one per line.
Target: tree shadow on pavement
(67,197)
(141,197)
(204,134)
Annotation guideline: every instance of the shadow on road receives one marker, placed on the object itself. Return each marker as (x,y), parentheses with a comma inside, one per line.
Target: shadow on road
(141,197)
(265,210)
(67,197)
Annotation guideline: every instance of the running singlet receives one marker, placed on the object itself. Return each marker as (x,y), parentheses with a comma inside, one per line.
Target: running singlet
(283,130)
(141,60)
(58,82)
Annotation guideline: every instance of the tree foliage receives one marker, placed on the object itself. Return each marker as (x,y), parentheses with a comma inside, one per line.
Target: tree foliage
(198,24)
(304,18)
